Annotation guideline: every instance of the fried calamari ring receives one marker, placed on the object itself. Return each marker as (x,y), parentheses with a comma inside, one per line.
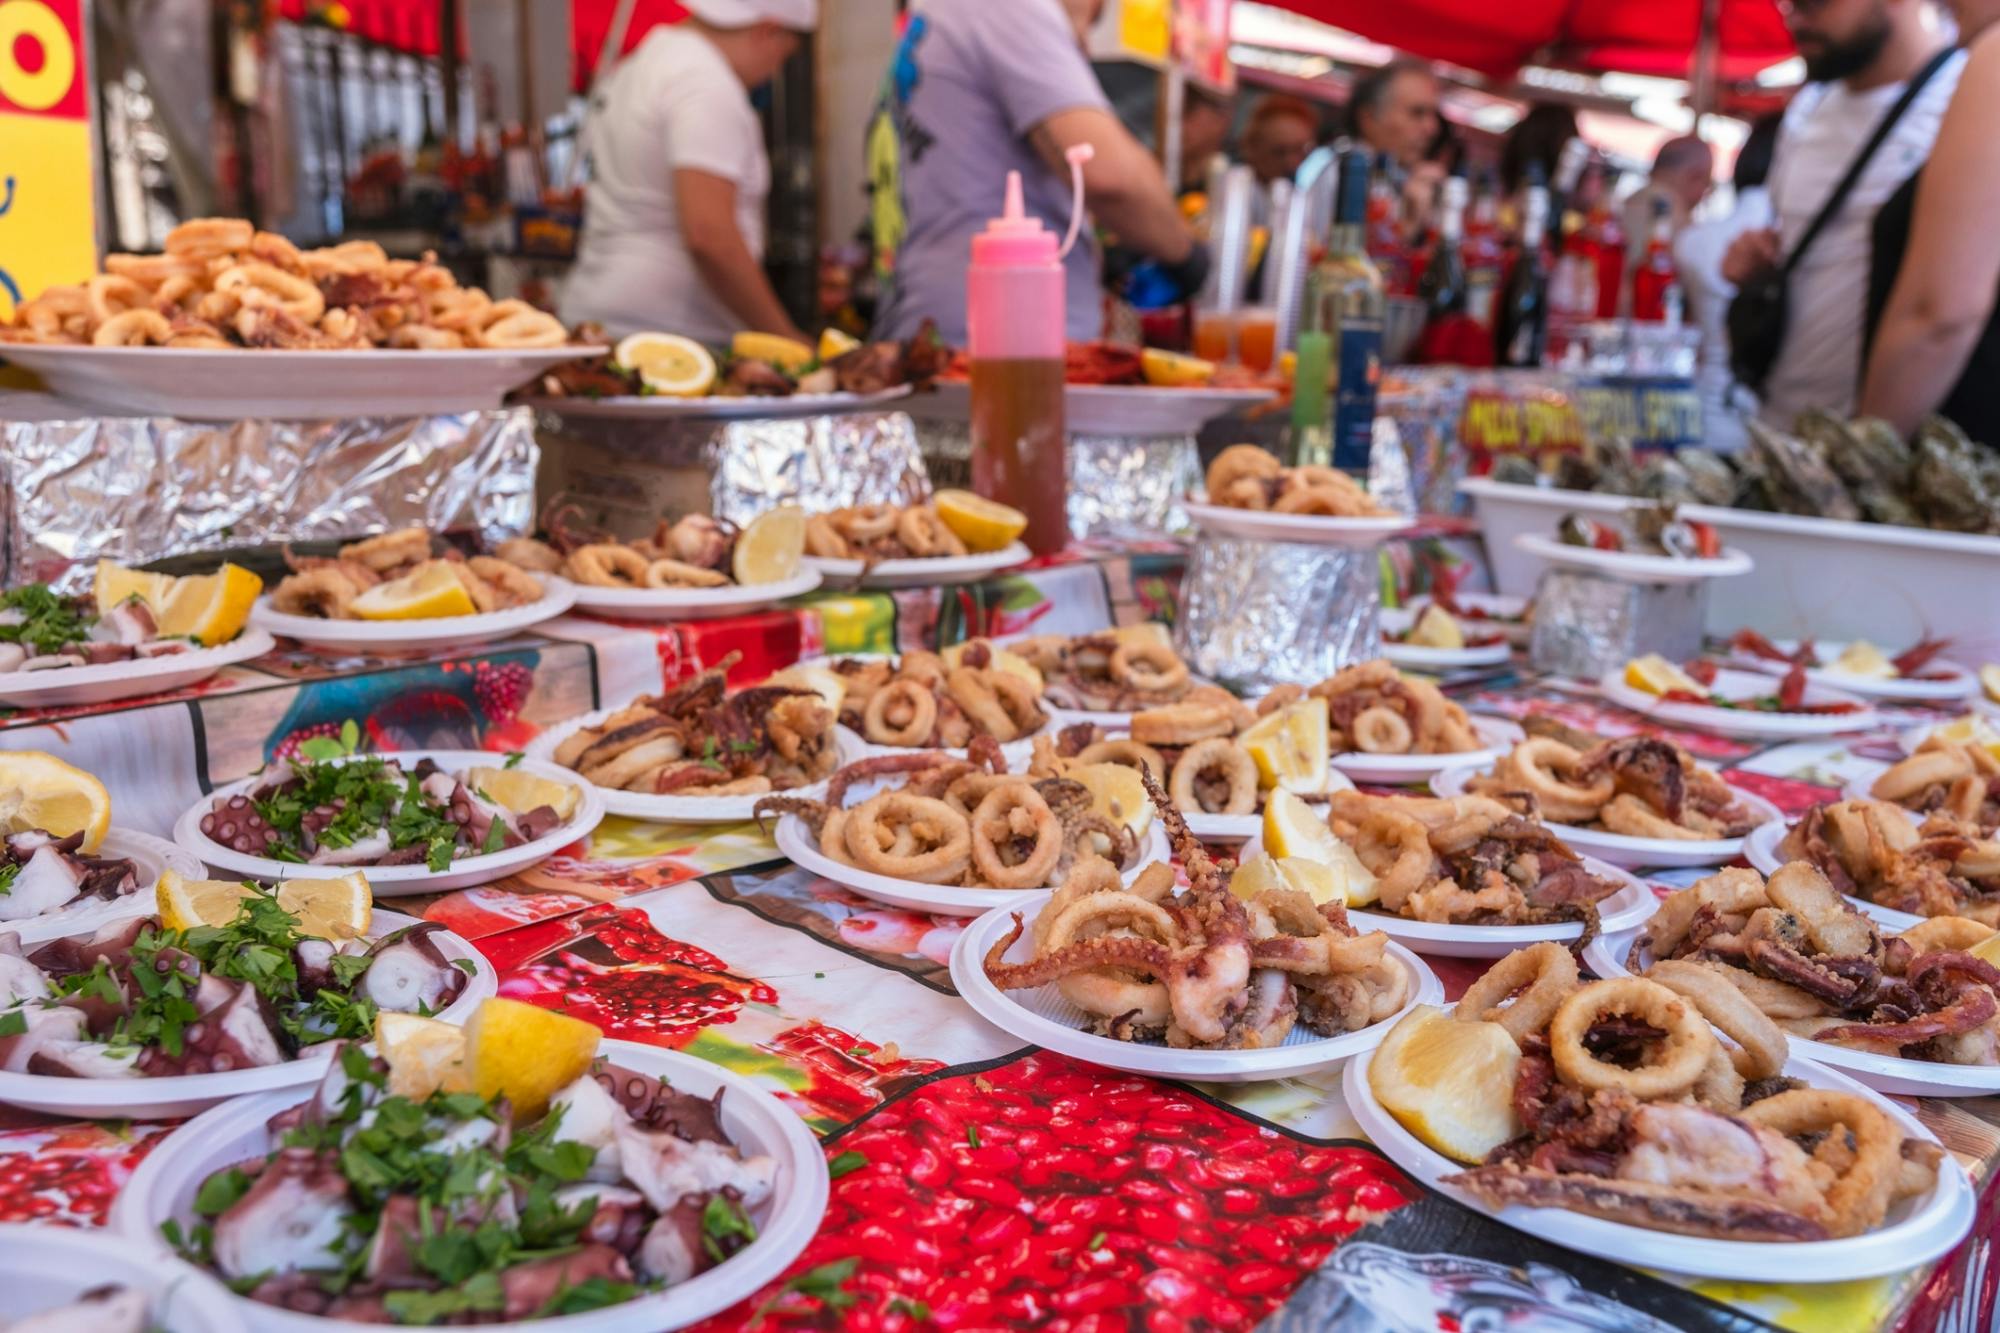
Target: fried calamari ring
(1395,847)
(924,534)
(425,338)
(1102,908)
(516,586)
(537,557)
(1184,723)
(1224,759)
(1281,696)
(1945,933)
(1672,1070)
(1321,501)
(1762,1046)
(607,565)
(1010,814)
(1240,462)
(978,694)
(1151,667)
(901,713)
(515,324)
(1381,730)
(679,574)
(209,238)
(909,837)
(1920,772)
(824,541)
(109,294)
(142,327)
(1544,975)
(1859,1196)
(153,270)
(1540,766)
(1628,815)
(1130,753)
(298,297)
(1245,493)
(865,523)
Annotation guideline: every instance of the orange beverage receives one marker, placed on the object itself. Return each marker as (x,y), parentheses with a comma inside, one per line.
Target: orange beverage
(1257,339)
(1214,335)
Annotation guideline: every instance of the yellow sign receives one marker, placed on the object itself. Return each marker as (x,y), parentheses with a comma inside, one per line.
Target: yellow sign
(1145,29)
(48,210)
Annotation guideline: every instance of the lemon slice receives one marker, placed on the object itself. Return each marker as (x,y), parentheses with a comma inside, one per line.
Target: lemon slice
(187,903)
(1145,631)
(1321,883)
(520,791)
(1450,1083)
(1436,628)
(787,354)
(982,524)
(1291,747)
(326,909)
(1173,370)
(999,659)
(836,343)
(823,681)
(526,1054)
(668,364)
(1293,829)
(770,548)
(1989,681)
(429,592)
(1116,793)
(40,791)
(1968,730)
(1988,949)
(1864,659)
(424,1055)
(210,607)
(1656,675)
(116,584)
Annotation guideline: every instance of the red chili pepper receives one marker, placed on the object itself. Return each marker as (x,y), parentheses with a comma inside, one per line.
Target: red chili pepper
(1750,642)
(1702,670)
(1828,708)
(1807,655)
(1792,689)
(1919,657)
(1707,541)
(1684,697)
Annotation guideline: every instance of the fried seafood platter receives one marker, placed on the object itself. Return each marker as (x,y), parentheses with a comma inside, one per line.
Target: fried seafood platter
(1959,780)
(1661,1119)
(954,536)
(1116,671)
(940,701)
(1384,726)
(1250,494)
(1632,800)
(1193,982)
(1896,866)
(932,831)
(1916,1010)
(701,753)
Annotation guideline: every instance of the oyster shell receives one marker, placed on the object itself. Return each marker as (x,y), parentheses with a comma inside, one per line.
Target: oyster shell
(1516,470)
(1663,478)
(1953,482)
(1796,478)
(1868,457)
(1710,476)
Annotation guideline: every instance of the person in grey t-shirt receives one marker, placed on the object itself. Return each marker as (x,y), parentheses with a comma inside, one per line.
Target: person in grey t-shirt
(978,88)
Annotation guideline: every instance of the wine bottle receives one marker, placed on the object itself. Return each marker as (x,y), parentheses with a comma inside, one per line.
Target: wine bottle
(1346,309)
(1521,331)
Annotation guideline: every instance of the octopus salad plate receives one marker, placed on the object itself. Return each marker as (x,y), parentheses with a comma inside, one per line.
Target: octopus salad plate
(58,889)
(61,1279)
(73,686)
(422,821)
(714,1185)
(1747,710)
(415,635)
(242,1027)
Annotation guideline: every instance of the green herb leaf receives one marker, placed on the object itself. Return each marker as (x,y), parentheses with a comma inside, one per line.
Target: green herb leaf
(13,1023)
(513,760)
(428,1307)
(723,1225)
(350,736)
(917,1310)
(972,1135)
(846,1162)
(8,874)
(590,1294)
(321,748)
(221,1190)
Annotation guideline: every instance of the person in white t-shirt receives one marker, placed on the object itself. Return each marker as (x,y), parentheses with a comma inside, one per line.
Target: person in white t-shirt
(673,230)
(1858,54)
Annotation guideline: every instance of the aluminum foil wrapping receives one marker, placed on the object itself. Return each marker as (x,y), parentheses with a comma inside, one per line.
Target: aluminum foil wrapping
(816,462)
(1425,404)
(1586,624)
(1254,614)
(136,489)
(1130,486)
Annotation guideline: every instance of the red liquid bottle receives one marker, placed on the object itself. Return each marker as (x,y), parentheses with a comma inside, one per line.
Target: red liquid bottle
(1655,285)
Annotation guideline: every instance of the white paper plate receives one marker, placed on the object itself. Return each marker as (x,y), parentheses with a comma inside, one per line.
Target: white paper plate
(1885,1073)
(691,603)
(391,881)
(1390,770)
(921,573)
(404,636)
(1911,739)
(1632,567)
(1760,849)
(1312,529)
(1415,657)
(679,809)
(1121,410)
(649,407)
(1743,723)
(109,681)
(202,384)
(1044,1017)
(1623,850)
(1242,828)
(150,854)
(1918,1230)
(166,1183)
(1496,605)
(796,841)
(185,1094)
(1959,683)
(43,1268)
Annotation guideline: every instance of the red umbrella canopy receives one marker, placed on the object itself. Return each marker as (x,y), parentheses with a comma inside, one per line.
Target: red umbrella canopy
(1639,36)
(590,20)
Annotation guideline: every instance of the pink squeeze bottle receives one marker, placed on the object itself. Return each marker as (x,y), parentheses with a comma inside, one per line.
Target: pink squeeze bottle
(1014,307)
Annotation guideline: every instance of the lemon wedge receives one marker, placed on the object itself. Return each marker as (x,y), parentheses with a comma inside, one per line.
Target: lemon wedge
(1174,370)
(1656,675)
(526,1054)
(212,608)
(787,354)
(836,343)
(1291,747)
(326,909)
(1988,949)
(1968,730)
(668,364)
(823,681)
(115,584)
(425,1055)
(431,591)
(770,548)
(520,791)
(1449,1083)
(982,524)
(1864,659)
(1293,829)
(40,791)
(1145,631)
(1436,628)
(1321,883)
(1116,793)
(999,659)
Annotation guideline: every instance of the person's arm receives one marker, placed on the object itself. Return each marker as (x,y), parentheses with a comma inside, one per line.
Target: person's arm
(707,207)
(1944,293)
(1123,184)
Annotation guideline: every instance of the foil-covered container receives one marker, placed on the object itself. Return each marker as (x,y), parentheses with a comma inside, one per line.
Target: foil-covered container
(1255,614)
(1124,487)
(1586,624)
(1425,404)
(136,489)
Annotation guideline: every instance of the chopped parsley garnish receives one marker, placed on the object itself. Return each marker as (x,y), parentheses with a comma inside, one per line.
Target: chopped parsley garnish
(50,622)
(513,760)
(590,1294)
(369,798)
(8,874)
(13,1023)
(723,1225)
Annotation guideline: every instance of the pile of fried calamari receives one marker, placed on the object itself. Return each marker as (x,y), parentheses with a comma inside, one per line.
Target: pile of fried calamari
(921,701)
(1631,1109)
(1801,955)
(1958,779)
(326,586)
(1245,476)
(965,822)
(875,532)
(223,284)
(1467,861)
(1373,709)
(1110,672)
(1194,747)
(699,740)
(1200,967)
(692,551)
(1635,785)
(1944,866)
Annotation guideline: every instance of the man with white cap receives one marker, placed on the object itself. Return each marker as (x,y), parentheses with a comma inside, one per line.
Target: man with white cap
(673,233)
